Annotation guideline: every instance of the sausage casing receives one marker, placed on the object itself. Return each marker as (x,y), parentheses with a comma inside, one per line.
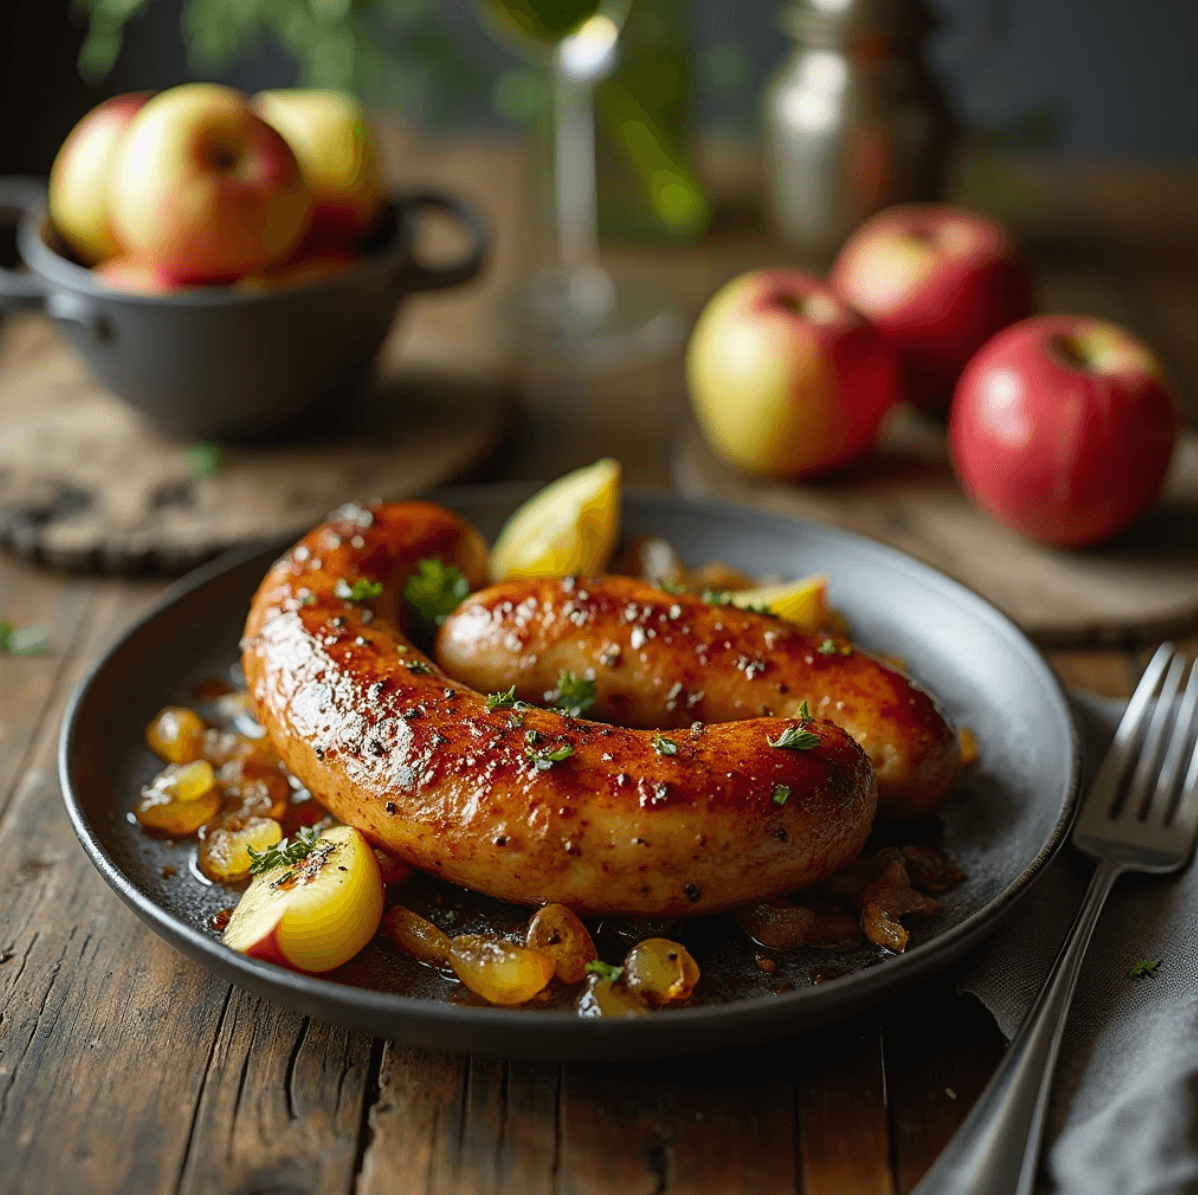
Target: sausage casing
(417,761)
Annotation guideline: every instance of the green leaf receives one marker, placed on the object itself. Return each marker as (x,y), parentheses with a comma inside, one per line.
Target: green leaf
(542,761)
(575,694)
(419,667)
(436,590)
(664,746)
(283,853)
(31,641)
(362,590)
(502,701)
(795,738)
(804,712)
(1145,968)
(781,794)
(607,971)
(203,460)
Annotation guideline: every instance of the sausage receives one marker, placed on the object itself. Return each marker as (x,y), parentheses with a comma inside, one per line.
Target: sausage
(490,798)
(663,660)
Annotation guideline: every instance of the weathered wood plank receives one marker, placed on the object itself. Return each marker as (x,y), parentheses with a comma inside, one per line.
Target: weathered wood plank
(844,1132)
(1109,673)
(721,1125)
(106,1032)
(941,1050)
(281,1107)
(29,598)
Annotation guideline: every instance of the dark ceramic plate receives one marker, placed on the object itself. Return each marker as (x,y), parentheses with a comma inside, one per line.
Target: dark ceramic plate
(1002,827)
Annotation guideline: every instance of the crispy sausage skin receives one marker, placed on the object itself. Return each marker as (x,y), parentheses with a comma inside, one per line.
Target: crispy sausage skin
(665,660)
(417,762)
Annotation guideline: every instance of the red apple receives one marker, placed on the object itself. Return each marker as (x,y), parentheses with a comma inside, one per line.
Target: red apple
(331,137)
(204,189)
(136,276)
(79,177)
(938,282)
(786,378)
(314,913)
(1062,427)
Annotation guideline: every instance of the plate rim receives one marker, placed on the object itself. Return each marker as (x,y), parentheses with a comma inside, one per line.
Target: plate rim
(663,1033)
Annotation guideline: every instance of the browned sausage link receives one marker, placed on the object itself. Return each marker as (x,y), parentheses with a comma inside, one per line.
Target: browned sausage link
(665,660)
(418,763)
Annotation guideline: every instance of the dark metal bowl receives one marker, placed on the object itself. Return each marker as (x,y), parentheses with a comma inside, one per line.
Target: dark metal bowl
(1003,825)
(216,362)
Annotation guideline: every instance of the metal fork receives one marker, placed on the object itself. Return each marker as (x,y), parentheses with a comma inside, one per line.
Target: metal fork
(1140,826)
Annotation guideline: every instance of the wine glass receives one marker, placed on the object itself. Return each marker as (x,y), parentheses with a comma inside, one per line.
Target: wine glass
(575,312)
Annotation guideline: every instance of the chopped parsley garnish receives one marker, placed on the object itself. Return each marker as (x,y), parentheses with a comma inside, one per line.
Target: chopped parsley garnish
(670,586)
(436,589)
(664,746)
(361,590)
(30,641)
(607,971)
(542,761)
(309,599)
(502,701)
(532,736)
(284,853)
(716,597)
(829,648)
(796,739)
(1145,968)
(781,794)
(419,667)
(575,693)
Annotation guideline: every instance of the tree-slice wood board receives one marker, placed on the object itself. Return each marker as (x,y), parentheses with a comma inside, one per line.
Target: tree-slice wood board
(1141,585)
(87,484)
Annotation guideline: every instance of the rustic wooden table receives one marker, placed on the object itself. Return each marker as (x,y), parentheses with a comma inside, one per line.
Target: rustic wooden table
(126,1068)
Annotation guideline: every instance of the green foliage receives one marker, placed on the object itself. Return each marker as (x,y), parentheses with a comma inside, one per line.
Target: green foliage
(394,52)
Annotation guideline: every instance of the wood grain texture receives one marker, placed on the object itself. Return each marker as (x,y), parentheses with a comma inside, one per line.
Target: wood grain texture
(844,1128)
(941,1050)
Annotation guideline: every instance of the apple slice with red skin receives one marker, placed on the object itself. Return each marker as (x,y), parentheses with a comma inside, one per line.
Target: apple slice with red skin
(1062,427)
(314,914)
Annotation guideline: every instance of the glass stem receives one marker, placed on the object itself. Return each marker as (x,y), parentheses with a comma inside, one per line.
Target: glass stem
(574,170)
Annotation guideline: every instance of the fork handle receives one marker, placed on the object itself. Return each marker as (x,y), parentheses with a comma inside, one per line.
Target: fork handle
(995,1151)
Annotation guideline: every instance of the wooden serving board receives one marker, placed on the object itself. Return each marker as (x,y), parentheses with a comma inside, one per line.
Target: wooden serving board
(1142,585)
(86,484)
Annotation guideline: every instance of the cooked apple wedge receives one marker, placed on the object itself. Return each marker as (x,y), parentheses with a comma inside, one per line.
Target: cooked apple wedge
(313,904)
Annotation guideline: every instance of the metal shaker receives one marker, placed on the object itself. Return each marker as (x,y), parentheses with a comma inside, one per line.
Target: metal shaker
(853,120)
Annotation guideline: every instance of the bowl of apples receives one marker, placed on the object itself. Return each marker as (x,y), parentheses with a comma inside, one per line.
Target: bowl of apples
(227,264)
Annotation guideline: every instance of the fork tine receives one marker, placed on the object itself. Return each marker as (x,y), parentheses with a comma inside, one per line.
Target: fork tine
(1160,803)
(1185,819)
(1154,740)
(1119,755)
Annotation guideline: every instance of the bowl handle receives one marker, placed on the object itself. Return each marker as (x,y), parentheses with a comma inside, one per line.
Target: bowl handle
(422,277)
(19,195)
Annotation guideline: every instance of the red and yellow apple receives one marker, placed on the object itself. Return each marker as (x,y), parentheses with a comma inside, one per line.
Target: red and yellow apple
(203,188)
(330,135)
(136,276)
(786,379)
(1062,427)
(79,177)
(314,914)
(938,282)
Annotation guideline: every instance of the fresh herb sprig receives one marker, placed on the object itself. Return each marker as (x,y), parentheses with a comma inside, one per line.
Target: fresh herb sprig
(362,590)
(436,590)
(503,701)
(542,761)
(795,738)
(1145,969)
(574,694)
(781,794)
(664,746)
(284,853)
(29,641)
(607,971)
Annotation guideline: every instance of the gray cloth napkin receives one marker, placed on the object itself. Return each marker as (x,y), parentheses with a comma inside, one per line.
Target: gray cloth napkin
(1124,1113)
